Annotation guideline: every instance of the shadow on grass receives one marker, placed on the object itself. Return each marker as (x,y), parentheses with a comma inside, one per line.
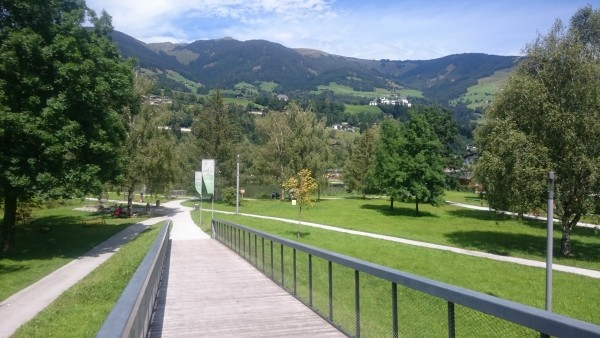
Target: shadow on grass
(59,236)
(506,244)
(397,211)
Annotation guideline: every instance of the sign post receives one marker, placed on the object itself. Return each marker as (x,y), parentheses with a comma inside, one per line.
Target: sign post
(198,185)
(208,175)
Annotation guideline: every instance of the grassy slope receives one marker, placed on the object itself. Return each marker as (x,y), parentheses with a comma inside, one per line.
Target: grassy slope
(574,295)
(482,94)
(40,252)
(82,309)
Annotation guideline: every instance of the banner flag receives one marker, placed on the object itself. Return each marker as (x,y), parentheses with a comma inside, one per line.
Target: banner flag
(208,175)
(198,182)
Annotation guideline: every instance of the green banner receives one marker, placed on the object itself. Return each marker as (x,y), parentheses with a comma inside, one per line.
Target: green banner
(208,175)
(198,182)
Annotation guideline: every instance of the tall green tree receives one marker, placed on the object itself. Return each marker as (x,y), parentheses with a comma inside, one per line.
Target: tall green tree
(289,142)
(389,175)
(551,103)
(360,166)
(151,152)
(219,136)
(422,162)
(64,89)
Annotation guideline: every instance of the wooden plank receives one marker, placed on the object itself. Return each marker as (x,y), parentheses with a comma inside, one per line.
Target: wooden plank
(209,291)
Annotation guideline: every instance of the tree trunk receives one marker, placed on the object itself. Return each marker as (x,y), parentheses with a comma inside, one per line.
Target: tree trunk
(129,200)
(10,220)
(417,206)
(299,220)
(565,242)
(391,203)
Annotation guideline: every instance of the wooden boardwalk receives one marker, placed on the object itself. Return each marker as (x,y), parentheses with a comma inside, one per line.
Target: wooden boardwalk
(209,291)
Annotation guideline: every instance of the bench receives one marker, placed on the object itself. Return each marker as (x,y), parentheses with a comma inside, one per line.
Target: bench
(98,220)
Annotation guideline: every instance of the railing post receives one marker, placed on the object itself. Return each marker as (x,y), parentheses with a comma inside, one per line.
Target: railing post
(357,301)
(310,293)
(295,272)
(282,267)
(451,321)
(263,253)
(255,250)
(272,265)
(330,271)
(394,310)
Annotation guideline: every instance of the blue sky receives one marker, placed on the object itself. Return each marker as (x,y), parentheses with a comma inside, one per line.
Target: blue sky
(379,29)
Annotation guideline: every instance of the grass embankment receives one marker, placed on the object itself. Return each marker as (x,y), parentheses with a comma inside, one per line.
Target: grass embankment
(81,310)
(574,296)
(55,237)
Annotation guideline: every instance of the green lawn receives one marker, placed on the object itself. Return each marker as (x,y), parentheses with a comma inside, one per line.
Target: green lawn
(574,295)
(81,310)
(445,225)
(355,109)
(53,239)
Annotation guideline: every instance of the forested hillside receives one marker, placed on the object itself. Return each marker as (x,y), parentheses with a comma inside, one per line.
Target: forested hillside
(225,62)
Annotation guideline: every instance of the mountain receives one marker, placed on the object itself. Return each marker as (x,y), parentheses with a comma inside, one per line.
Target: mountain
(226,62)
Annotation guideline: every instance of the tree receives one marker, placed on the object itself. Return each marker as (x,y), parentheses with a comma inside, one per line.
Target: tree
(219,137)
(359,170)
(151,151)
(303,186)
(289,142)
(389,176)
(552,104)
(422,163)
(64,89)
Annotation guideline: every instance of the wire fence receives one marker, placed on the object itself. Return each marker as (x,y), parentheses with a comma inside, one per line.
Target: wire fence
(362,299)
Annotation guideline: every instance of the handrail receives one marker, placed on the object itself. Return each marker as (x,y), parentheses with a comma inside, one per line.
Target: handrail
(545,322)
(132,314)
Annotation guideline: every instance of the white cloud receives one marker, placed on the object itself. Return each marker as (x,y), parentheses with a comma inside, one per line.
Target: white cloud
(403,29)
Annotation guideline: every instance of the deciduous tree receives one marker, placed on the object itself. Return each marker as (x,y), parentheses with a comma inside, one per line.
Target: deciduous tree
(551,104)
(219,137)
(422,162)
(303,186)
(63,91)
(360,166)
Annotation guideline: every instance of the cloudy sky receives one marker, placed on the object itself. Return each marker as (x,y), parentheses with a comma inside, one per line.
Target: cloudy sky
(376,29)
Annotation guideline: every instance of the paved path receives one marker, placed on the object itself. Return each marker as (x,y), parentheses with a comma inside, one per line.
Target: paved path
(209,291)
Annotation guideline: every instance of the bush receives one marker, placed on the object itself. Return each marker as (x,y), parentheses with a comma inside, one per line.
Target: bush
(229,196)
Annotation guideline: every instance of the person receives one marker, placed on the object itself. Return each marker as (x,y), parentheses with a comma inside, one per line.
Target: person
(118,211)
(141,197)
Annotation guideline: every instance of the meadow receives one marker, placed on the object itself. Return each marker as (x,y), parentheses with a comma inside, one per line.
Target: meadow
(574,296)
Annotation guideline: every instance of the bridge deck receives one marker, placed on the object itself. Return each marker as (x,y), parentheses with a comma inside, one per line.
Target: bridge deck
(210,291)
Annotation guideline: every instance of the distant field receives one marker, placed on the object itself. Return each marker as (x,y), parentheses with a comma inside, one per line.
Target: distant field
(268,86)
(355,109)
(248,88)
(378,92)
(482,94)
(179,78)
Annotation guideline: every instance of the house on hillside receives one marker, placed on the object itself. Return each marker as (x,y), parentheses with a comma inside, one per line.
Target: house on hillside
(387,101)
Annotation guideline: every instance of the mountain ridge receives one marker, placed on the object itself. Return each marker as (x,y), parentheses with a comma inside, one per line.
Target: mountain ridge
(225,62)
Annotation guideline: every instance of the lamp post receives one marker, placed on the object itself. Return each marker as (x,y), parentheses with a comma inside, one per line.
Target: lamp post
(237,190)
(549,240)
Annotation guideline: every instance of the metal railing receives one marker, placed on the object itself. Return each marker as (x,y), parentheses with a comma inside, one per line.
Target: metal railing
(132,314)
(363,299)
